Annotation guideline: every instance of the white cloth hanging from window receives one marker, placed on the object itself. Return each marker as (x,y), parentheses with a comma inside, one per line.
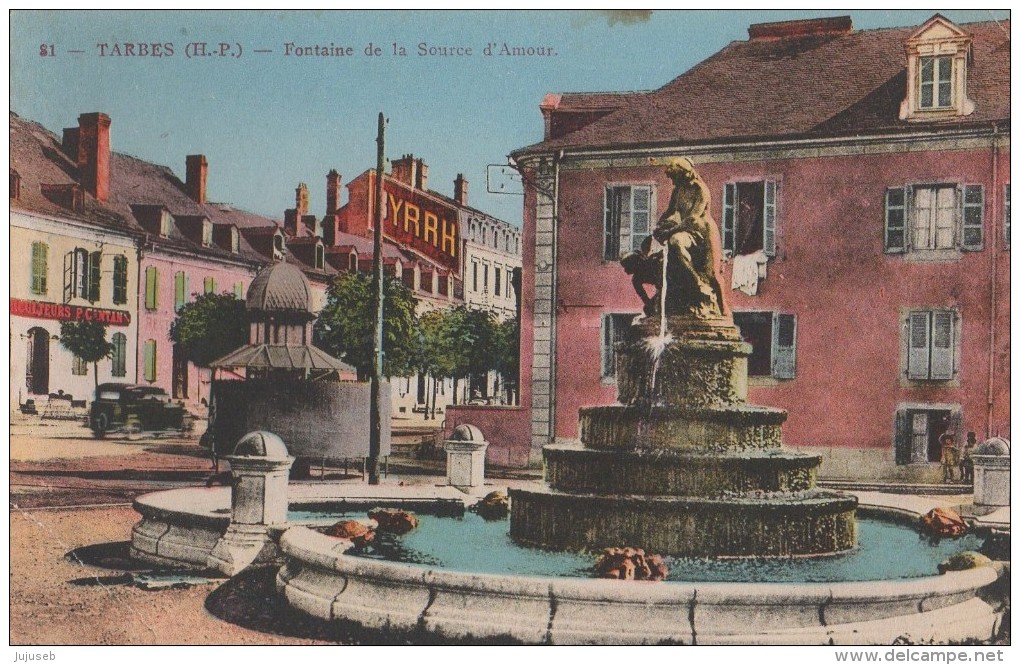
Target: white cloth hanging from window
(748,269)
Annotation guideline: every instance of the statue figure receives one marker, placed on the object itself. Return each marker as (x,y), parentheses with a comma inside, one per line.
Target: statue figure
(690,237)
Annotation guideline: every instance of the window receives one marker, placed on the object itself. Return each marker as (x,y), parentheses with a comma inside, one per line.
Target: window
(628,210)
(118,359)
(320,257)
(40,265)
(485,277)
(235,240)
(239,290)
(749,217)
(924,218)
(497,274)
(207,230)
(278,246)
(474,276)
(150,360)
(209,285)
(151,286)
(81,274)
(936,82)
(931,345)
(79,367)
(180,290)
(773,337)
(614,328)
(919,428)
(120,278)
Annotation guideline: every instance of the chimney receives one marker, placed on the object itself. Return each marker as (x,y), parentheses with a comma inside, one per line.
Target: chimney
(197,169)
(94,154)
(69,143)
(301,199)
(311,222)
(332,192)
(460,189)
(812,27)
(421,180)
(405,170)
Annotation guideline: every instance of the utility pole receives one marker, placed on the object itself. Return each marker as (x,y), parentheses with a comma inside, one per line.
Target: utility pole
(375,413)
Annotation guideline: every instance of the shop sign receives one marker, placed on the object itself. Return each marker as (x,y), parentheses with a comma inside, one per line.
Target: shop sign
(35,309)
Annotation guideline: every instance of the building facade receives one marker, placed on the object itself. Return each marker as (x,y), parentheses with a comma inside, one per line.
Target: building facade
(861,189)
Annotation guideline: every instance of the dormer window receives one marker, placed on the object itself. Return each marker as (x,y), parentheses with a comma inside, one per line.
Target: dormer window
(235,240)
(207,229)
(164,223)
(278,247)
(320,257)
(937,58)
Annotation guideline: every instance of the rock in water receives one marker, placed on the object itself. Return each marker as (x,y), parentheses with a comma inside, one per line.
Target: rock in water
(352,530)
(493,506)
(629,563)
(392,520)
(963,561)
(943,522)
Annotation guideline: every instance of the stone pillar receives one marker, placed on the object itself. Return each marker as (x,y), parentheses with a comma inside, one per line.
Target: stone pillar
(260,466)
(991,473)
(465,458)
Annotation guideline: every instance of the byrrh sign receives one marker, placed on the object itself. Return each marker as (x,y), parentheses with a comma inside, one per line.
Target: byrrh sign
(423,223)
(35,309)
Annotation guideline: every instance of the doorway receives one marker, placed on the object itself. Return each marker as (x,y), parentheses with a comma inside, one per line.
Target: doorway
(37,374)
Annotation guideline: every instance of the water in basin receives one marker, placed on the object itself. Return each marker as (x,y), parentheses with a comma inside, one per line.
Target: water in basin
(886,550)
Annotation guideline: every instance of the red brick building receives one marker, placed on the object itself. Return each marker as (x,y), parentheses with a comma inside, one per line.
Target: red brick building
(860,181)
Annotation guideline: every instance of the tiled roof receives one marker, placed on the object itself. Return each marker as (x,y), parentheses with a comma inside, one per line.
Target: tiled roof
(807,86)
(280,287)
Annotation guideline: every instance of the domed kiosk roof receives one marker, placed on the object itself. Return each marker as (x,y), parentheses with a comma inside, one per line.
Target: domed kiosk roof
(280,287)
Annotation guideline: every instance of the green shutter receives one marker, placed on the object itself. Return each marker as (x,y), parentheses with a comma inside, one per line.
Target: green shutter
(95,272)
(729,218)
(769,218)
(239,290)
(209,285)
(150,360)
(973,217)
(40,256)
(895,220)
(151,278)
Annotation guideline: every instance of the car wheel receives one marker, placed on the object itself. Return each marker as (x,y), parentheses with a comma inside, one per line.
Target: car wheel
(99,425)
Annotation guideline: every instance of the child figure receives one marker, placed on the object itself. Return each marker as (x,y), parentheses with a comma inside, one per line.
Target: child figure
(950,457)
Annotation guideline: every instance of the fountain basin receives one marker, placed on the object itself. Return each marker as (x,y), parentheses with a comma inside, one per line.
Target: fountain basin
(707,428)
(803,523)
(569,468)
(451,605)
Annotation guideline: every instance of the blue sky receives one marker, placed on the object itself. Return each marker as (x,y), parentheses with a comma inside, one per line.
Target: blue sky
(267,121)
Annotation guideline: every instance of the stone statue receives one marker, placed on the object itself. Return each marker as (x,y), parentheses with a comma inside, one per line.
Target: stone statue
(689,235)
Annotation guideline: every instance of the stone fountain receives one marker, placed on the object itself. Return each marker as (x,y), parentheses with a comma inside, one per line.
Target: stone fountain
(683,465)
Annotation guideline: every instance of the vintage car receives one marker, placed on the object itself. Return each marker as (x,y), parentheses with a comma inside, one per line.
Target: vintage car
(132,408)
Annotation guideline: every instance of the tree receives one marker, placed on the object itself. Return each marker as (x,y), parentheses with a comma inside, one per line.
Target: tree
(209,327)
(471,336)
(346,325)
(508,355)
(87,340)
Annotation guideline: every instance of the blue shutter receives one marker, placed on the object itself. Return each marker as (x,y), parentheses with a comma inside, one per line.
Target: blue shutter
(918,345)
(769,218)
(973,217)
(895,220)
(784,346)
(729,218)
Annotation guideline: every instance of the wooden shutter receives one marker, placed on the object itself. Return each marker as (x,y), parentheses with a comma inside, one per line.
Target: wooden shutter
(973,217)
(918,344)
(150,360)
(769,218)
(784,346)
(94,273)
(612,225)
(239,289)
(179,293)
(729,218)
(119,280)
(150,287)
(902,438)
(918,423)
(607,343)
(69,276)
(40,251)
(942,345)
(895,220)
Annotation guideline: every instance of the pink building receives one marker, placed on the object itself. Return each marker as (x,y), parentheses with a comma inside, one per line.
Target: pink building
(860,181)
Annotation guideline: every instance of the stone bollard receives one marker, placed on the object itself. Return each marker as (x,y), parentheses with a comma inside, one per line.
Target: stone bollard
(991,472)
(465,458)
(260,466)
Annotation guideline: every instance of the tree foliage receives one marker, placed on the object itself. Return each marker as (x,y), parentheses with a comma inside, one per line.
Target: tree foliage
(346,325)
(210,326)
(87,340)
(508,352)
